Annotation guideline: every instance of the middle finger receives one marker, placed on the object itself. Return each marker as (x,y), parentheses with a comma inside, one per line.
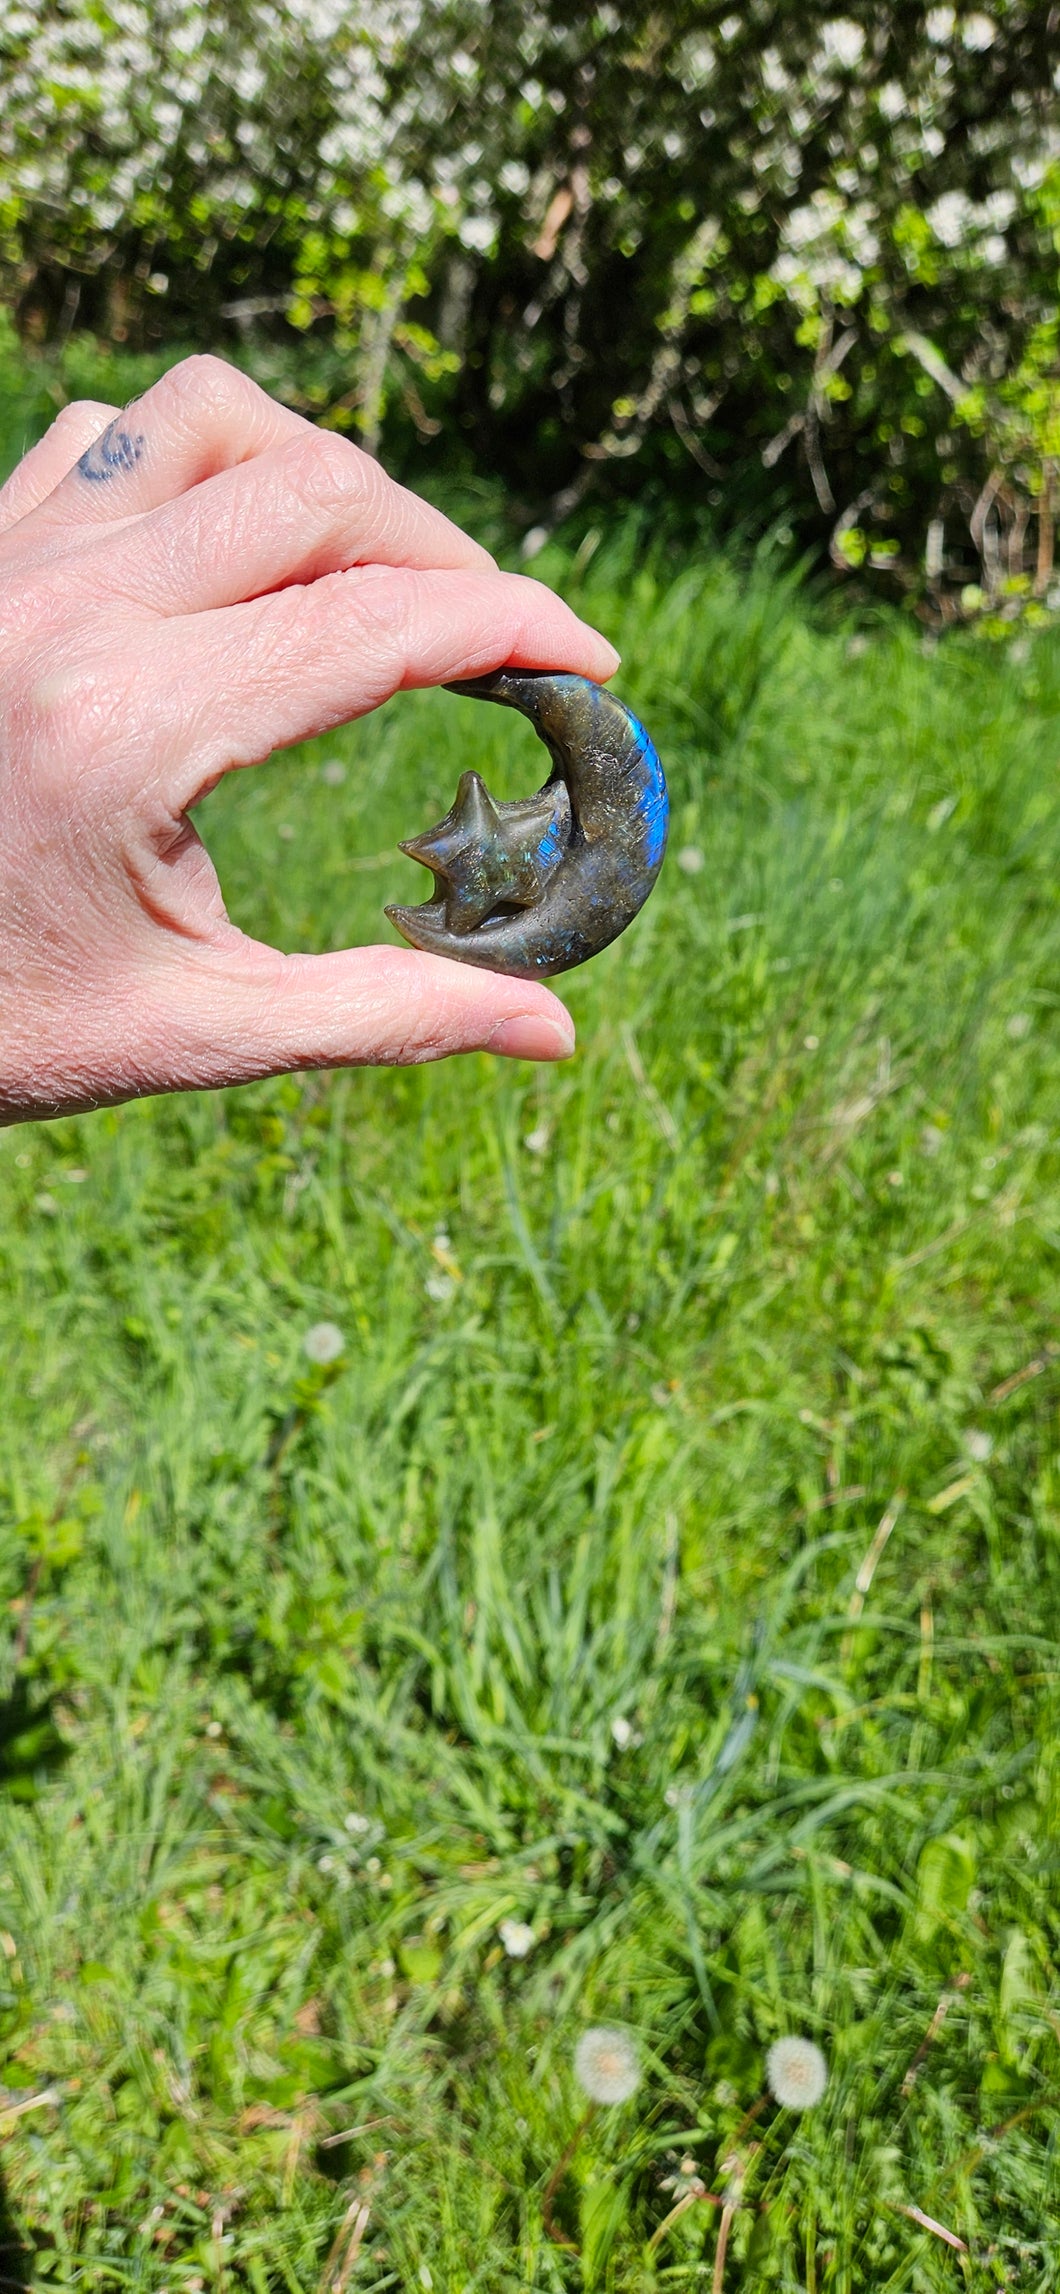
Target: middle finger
(314,505)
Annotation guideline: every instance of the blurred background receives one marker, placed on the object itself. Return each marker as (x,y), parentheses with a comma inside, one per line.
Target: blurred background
(763,263)
(488,1553)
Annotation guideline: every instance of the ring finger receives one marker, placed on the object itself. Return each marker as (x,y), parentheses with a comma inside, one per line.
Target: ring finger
(201,417)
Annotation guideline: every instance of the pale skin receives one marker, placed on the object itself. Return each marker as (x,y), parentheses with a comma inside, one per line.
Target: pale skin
(186,586)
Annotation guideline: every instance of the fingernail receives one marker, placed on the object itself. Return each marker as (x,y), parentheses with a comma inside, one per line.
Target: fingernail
(615,658)
(529,1035)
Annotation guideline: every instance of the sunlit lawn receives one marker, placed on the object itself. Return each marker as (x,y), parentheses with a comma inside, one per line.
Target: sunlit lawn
(669,1562)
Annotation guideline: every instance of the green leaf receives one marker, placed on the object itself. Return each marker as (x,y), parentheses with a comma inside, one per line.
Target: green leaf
(1018,1988)
(945,1879)
(420,1960)
(603,2209)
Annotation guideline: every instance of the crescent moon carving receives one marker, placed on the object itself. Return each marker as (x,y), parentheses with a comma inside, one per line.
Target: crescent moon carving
(535,887)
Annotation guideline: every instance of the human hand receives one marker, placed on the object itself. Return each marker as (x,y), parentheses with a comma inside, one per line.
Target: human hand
(185,587)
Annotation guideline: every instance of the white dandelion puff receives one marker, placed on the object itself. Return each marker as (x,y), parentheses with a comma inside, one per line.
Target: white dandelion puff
(979,1444)
(518,1939)
(796,2073)
(606,2065)
(439,1287)
(324,1342)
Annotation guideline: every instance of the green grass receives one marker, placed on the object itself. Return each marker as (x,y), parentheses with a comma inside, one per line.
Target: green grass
(705,1386)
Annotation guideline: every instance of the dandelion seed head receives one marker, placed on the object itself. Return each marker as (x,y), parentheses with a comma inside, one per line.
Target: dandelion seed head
(324,1342)
(518,1939)
(796,2073)
(979,1444)
(439,1287)
(606,2065)
(678,1795)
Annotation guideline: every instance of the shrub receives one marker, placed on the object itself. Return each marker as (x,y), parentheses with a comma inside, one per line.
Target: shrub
(776,257)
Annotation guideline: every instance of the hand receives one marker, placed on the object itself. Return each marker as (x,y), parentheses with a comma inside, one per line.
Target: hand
(186,586)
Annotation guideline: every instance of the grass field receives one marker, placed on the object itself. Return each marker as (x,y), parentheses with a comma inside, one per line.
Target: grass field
(668,1562)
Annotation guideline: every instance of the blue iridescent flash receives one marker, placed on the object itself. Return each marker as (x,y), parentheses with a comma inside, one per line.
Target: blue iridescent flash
(535,887)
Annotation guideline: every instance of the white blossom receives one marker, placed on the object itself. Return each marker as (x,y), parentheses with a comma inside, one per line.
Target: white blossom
(796,2073)
(606,2064)
(477,232)
(950,218)
(978,32)
(324,1342)
(892,100)
(843,42)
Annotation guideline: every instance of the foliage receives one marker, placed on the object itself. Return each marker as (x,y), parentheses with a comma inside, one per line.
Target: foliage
(583,245)
(670,1563)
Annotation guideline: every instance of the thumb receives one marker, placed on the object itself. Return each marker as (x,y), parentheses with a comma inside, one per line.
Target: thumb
(249,1011)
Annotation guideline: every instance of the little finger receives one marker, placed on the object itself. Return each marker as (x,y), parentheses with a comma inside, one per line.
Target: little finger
(54,455)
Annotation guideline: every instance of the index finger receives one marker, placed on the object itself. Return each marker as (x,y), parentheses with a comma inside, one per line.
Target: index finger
(230,686)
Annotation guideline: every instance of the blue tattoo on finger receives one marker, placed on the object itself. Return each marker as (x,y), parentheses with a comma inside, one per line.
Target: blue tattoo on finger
(116,450)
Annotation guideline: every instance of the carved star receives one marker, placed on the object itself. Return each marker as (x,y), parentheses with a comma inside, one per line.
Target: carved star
(486,856)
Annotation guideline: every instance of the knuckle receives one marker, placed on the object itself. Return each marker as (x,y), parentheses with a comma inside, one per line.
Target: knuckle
(82,414)
(373,628)
(329,473)
(205,384)
(83,418)
(386,613)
